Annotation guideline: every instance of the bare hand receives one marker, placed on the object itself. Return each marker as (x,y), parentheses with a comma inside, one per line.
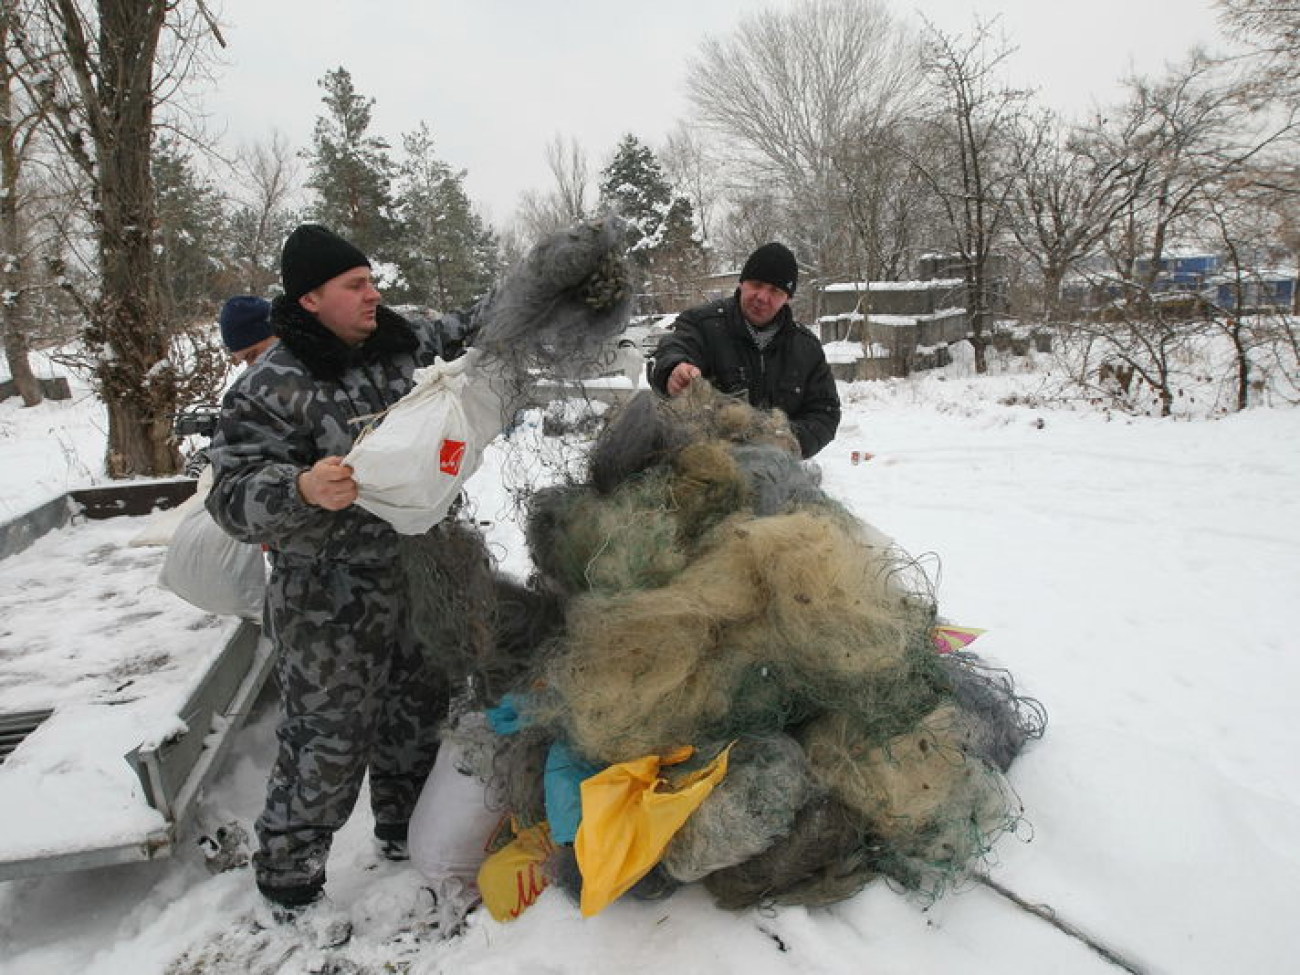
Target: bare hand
(328,484)
(681,377)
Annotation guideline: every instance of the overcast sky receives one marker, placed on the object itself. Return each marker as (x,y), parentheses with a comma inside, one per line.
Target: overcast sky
(497,80)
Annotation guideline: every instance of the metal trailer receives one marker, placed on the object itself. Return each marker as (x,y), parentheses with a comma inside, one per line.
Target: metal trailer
(173,772)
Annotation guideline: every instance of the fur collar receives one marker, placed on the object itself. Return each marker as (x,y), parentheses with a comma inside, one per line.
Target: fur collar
(327,356)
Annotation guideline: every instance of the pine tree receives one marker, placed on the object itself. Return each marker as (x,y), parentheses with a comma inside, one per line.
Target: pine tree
(678,261)
(449,256)
(262,215)
(634,186)
(663,241)
(351,171)
(188,237)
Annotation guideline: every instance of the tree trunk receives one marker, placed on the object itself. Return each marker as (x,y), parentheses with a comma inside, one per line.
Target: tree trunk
(979,314)
(12,285)
(979,342)
(20,368)
(135,376)
(1053,279)
(1166,401)
(1242,359)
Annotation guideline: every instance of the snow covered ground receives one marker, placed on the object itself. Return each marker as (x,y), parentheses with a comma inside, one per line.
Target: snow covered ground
(1136,575)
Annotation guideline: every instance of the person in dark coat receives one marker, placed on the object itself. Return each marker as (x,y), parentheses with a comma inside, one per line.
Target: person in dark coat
(356,695)
(750,344)
(246,328)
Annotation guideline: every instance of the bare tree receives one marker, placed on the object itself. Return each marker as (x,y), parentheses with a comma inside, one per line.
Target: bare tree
(974,176)
(1187,140)
(889,205)
(1254,227)
(794,95)
(568,164)
(1270,30)
(1280,188)
(115,62)
(695,172)
(1066,201)
(268,182)
(1241,227)
(1179,135)
(753,219)
(565,203)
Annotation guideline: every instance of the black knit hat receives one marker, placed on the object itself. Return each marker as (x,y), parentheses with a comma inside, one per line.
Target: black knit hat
(245,321)
(313,255)
(772,264)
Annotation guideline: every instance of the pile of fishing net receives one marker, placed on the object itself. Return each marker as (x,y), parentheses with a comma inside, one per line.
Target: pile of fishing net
(699,589)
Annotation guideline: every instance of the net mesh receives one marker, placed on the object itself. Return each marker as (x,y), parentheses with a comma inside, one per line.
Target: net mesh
(697,586)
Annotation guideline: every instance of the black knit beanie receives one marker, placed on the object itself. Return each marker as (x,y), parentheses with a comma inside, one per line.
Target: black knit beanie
(245,320)
(313,255)
(772,264)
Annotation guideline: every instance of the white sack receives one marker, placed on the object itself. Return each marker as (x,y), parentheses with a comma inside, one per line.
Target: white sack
(410,468)
(211,570)
(454,820)
(160,527)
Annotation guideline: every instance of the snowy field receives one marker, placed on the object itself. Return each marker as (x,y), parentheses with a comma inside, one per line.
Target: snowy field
(1136,575)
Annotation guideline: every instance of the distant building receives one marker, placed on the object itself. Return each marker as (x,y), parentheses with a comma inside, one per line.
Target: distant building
(931,267)
(1253,291)
(1179,272)
(875,329)
(720,285)
(706,288)
(1200,275)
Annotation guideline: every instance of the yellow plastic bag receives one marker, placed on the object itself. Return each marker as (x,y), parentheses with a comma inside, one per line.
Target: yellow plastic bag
(511,879)
(628,819)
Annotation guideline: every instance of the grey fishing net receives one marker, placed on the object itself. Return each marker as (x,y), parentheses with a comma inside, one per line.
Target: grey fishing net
(694,585)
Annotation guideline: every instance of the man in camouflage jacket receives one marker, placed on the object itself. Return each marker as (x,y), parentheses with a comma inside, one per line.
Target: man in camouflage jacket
(356,693)
(750,344)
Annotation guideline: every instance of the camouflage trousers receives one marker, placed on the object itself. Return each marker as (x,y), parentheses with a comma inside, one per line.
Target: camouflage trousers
(356,696)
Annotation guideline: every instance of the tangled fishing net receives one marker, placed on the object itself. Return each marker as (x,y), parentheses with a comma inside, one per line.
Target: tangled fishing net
(697,587)
(555,310)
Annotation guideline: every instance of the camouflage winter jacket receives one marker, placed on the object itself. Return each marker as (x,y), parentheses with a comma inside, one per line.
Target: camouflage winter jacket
(308,398)
(791,373)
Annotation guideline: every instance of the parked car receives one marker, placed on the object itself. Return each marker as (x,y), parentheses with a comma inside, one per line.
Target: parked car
(646,332)
(196,424)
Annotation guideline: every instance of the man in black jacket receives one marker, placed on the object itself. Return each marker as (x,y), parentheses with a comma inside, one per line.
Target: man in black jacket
(750,343)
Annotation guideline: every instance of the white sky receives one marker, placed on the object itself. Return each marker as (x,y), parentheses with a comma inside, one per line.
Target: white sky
(498,79)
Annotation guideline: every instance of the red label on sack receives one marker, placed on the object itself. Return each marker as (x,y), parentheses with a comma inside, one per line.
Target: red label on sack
(451,456)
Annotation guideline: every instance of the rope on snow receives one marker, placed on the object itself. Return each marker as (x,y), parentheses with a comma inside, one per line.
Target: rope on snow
(1048,914)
